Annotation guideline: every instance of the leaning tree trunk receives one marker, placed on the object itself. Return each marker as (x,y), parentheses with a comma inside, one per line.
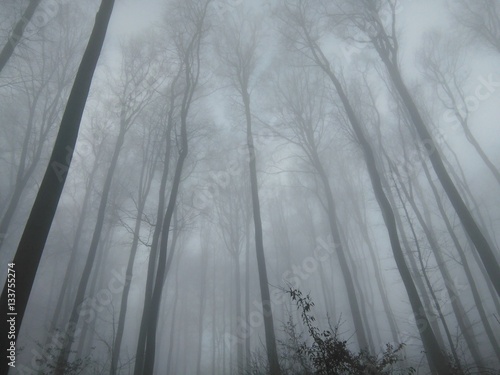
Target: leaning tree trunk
(461,316)
(427,280)
(37,228)
(470,225)
(435,356)
(354,304)
(465,264)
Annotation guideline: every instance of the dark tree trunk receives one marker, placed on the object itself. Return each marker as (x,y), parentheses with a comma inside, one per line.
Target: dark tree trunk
(35,234)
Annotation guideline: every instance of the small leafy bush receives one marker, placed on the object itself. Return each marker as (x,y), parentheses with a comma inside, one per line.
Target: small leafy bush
(329,355)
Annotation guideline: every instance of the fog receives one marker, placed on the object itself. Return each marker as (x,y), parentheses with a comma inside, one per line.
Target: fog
(233,187)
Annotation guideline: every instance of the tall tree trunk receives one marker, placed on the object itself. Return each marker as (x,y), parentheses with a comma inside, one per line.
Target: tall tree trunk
(362,224)
(434,353)
(272,352)
(17,33)
(150,352)
(153,255)
(171,343)
(428,282)
(203,285)
(88,329)
(164,263)
(240,369)
(435,356)
(35,234)
(416,274)
(145,180)
(458,309)
(362,299)
(247,293)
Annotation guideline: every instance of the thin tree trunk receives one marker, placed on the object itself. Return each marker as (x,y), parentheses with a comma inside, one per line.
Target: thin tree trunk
(89,263)
(465,263)
(247,293)
(435,356)
(64,294)
(203,284)
(88,329)
(35,234)
(115,355)
(153,255)
(171,344)
(434,353)
(362,300)
(458,309)
(239,344)
(191,80)
(428,282)
(272,352)
(362,224)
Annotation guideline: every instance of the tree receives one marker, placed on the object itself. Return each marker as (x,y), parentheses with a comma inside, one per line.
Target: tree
(187,49)
(366,16)
(231,209)
(42,80)
(37,228)
(307,37)
(305,114)
(239,56)
(481,19)
(153,141)
(136,89)
(441,63)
